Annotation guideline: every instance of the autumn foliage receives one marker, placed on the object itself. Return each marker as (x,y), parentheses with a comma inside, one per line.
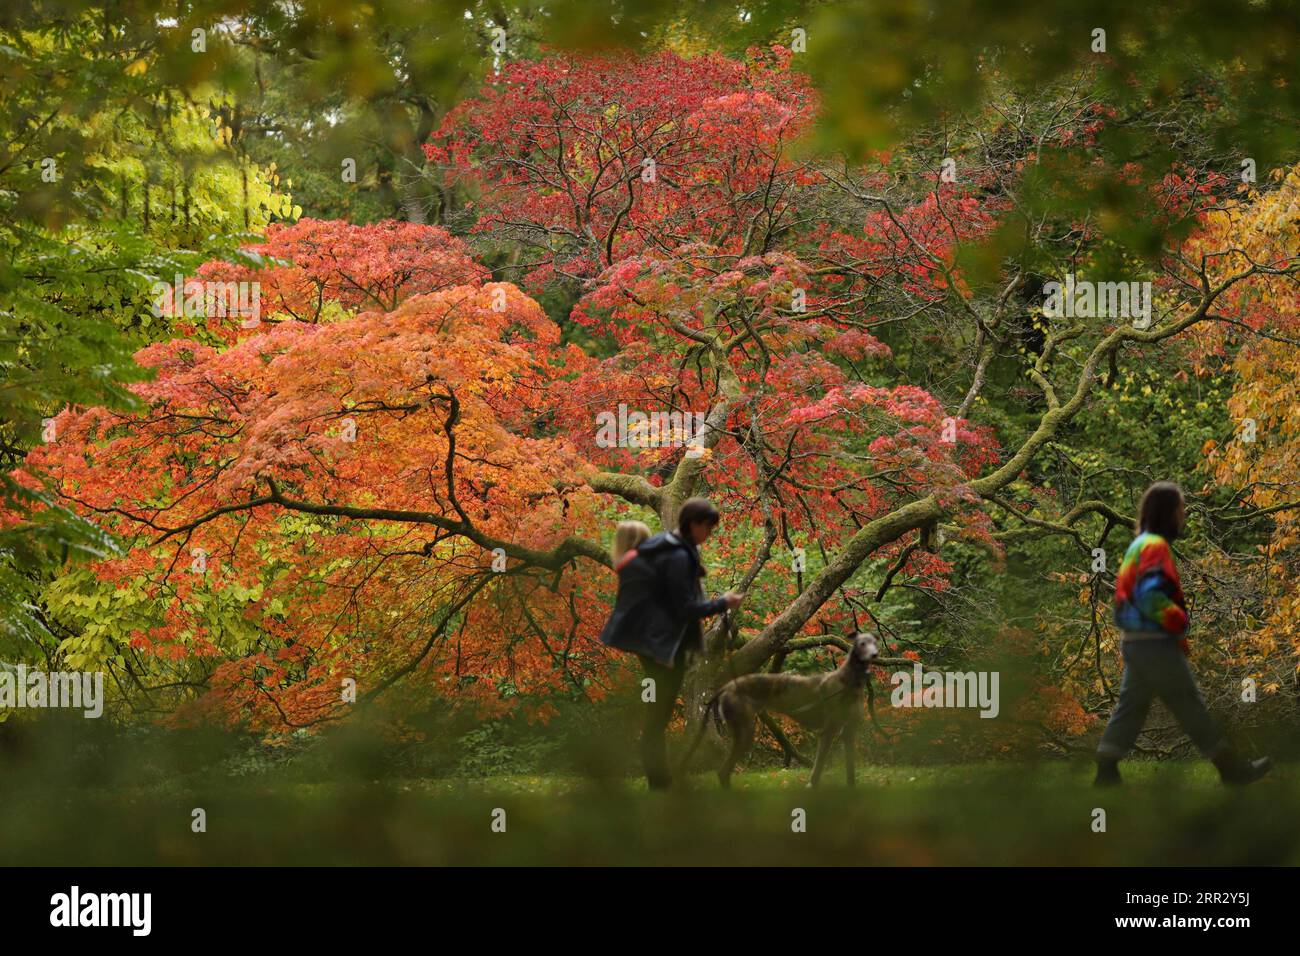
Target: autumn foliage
(396,478)
(311,264)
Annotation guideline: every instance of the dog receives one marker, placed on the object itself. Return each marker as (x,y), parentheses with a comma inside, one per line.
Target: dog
(827,703)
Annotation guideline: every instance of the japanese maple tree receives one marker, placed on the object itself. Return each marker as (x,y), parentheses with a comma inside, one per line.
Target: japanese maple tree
(417,486)
(357,267)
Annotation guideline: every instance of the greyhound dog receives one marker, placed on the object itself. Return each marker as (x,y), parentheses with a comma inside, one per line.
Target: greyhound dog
(827,703)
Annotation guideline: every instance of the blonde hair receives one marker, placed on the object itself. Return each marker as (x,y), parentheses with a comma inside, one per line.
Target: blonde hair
(627,536)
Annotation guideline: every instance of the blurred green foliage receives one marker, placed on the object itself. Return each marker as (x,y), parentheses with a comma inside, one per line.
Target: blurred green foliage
(79,797)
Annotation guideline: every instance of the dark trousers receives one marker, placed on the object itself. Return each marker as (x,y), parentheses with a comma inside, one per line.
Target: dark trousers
(658,714)
(1157,667)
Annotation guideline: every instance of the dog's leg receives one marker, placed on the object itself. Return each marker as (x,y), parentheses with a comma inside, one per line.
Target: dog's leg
(790,752)
(823,753)
(850,745)
(741,721)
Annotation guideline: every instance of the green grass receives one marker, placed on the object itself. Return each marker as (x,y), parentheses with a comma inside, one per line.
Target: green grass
(979,813)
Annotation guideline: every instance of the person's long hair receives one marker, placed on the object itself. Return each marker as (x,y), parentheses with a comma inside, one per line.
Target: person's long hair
(627,536)
(1158,510)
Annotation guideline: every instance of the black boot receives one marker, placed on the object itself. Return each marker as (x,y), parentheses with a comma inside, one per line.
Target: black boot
(1107,773)
(1235,770)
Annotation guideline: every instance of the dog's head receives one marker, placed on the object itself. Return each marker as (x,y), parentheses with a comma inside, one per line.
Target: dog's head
(865,649)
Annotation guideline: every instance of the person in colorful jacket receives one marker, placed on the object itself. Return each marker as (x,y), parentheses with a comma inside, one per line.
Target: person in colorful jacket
(1151,613)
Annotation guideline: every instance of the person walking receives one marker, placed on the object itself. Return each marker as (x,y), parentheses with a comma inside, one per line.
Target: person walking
(1151,613)
(657,616)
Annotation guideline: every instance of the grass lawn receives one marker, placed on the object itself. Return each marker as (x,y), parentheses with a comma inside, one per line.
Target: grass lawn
(975,814)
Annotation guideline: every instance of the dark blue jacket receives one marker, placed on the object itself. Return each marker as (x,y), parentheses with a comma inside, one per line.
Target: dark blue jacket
(660,602)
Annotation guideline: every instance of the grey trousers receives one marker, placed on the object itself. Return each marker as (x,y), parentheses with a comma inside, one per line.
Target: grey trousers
(1157,667)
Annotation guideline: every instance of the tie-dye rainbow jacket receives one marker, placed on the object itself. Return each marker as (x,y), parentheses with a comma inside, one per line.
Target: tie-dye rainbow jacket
(1148,594)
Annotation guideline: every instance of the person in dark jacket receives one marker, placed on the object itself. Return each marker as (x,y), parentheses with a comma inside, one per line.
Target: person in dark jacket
(657,616)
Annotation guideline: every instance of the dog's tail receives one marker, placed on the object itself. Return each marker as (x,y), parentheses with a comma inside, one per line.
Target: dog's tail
(711,709)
